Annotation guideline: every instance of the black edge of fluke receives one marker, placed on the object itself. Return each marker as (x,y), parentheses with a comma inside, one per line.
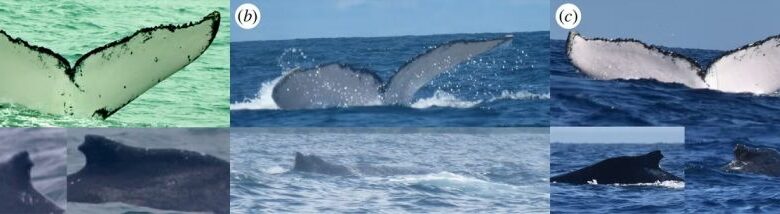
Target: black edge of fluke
(754,44)
(572,34)
(215,16)
(62,61)
(449,43)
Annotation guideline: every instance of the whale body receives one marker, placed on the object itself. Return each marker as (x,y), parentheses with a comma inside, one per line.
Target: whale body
(753,68)
(765,161)
(620,170)
(314,164)
(105,79)
(17,194)
(167,179)
(339,85)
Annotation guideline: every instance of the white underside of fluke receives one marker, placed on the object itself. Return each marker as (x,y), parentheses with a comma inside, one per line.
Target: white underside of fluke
(754,68)
(105,79)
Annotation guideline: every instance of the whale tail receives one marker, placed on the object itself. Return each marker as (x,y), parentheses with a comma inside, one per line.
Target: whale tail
(105,79)
(336,85)
(752,68)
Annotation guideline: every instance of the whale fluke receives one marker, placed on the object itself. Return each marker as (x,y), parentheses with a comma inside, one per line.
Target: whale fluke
(621,170)
(105,79)
(168,179)
(764,161)
(336,85)
(749,69)
(17,194)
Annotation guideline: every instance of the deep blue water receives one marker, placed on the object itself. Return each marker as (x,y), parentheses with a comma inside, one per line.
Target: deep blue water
(463,171)
(710,189)
(579,100)
(508,86)
(647,198)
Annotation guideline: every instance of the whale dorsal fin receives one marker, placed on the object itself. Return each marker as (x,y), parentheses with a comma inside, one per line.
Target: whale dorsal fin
(105,79)
(100,151)
(753,68)
(332,85)
(422,69)
(652,159)
(18,167)
(631,59)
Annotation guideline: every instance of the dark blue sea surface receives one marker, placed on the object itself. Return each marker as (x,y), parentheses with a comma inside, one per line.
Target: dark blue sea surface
(508,86)
(438,171)
(581,101)
(711,189)
(667,197)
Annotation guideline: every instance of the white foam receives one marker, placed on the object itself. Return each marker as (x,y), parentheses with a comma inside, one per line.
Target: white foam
(457,183)
(443,99)
(520,95)
(666,184)
(275,170)
(262,99)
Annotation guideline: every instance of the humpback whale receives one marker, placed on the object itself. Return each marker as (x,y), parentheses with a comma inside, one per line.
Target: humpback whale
(105,79)
(620,170)
(339,85)
(17,194)
(166,179)
(753,68)
(764,161)
(314,164)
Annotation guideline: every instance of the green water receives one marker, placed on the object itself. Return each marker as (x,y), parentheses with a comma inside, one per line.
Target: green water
(196,96)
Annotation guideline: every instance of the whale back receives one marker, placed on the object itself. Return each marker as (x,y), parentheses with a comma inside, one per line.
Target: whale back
(755,160)
(168,179)
(17,194)
(620,170)
(631,59)
(314,164)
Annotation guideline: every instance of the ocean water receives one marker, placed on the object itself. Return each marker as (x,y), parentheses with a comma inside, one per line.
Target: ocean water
(47,152)
(581,101)
(711,189)
(196,96)
(464,171)
(211,141)
(635,198)
(505,87)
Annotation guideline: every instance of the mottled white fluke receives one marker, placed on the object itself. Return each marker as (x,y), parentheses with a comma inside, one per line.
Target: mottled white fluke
(753,68)
(105,79)
(337,85)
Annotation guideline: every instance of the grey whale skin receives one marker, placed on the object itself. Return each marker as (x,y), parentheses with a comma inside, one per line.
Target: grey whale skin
(17,194)
(339,85)
(765,161)
(314,164)
(167,179)
(621,170)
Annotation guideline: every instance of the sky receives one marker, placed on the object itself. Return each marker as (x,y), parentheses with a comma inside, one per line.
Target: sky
(701,24)
(296,19)
(617,134)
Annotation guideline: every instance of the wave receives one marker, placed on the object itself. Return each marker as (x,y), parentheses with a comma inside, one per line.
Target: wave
(451,182)
(665,184)
(263,99)
(443,99)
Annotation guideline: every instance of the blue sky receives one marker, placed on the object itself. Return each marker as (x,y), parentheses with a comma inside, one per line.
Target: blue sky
(617,134)
(703,24)
(294,19)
